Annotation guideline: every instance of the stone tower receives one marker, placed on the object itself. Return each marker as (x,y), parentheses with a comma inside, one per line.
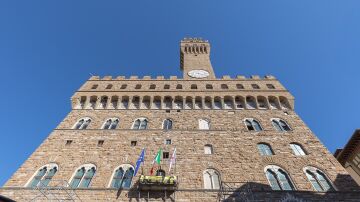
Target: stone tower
(235,138)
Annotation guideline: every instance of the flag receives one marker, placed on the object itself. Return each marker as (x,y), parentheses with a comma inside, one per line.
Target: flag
(173,159)
(157,159)
(139,161)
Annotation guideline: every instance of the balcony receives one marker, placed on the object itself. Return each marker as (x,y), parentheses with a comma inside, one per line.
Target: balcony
(157,183)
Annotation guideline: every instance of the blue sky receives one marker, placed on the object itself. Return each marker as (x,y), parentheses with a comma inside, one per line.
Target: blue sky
(49,48)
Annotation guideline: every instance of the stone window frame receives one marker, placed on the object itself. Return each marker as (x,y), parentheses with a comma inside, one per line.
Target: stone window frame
(125,165)
(87,167)
(163,124)
(208,122)
(315,169)
(82,125)
(251,120)
(275,168)
(113,119)
(300,145)
(268,147)
(278,120)
(211,147)
(49,165)
(211,171)
(141,119)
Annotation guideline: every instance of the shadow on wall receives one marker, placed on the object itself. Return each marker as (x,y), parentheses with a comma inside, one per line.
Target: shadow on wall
(347,190)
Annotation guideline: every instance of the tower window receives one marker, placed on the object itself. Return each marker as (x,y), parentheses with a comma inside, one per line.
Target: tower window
(278,178)
(82,124)
(204,124)
(255,86)
(209,86)
(109,86)
(211,179)
(100,143)
(280,125)
(122,176)
(123,86)
(193,86)
(111,124)
(297,149)
(239,86)
(140,124)
(265,149)
(270,86)
(95,86)
(138,86)
(152,86)
(252,125)
(83,176)
(166,86)
(208,149)
(68,142)
(168,141)
(167,125)
(179,86)
(224,86)
(318,179)
(43,176)
(133,143)
(165,155)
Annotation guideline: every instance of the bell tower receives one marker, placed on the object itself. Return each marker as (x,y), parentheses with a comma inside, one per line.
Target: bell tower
(195,59)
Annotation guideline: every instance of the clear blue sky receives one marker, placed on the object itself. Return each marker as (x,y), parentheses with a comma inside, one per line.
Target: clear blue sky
(49,48)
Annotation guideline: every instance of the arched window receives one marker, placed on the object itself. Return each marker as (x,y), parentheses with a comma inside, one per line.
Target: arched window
(265,149)
(239,86)
(278,178)
(111,123)
(262,102)
(255,86)
(250,102)
(92,102)
(138,86)
(178,102)
(228,102)
(239,102)
(166,86)
(189,103)
(109,86)
(253,125)
(217,103)
(167,102)
(193,86)
(280,125)
(297,149)
(94,86)
(208,149)
(152,86)
(204,124)
(211,179)
(198,103)
(318,179)
(122,176)
(114,101)
(209,86)
(123,86)
(140,124)
(284,103)
(224,86)
(167,125)
(179,86)
(273,101)
(82,124)
(43,176)
(83,176)
(103,102)
(270,86)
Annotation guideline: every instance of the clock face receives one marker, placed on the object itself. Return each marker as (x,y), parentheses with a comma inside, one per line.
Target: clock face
(198,73)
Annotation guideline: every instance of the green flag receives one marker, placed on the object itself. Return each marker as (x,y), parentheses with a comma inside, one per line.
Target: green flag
(158,157)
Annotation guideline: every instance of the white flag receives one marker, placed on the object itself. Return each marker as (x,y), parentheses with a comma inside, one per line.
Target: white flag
(173,159)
